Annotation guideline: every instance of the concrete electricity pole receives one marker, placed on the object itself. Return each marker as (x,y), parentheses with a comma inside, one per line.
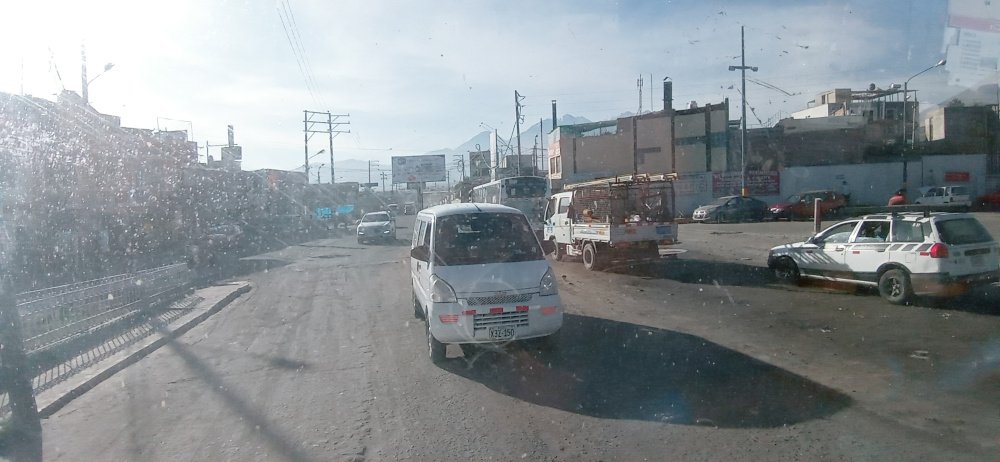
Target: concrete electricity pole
(517,127)
(330,126)
(743,131)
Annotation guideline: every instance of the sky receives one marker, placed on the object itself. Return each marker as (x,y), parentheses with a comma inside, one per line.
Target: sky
(420,76)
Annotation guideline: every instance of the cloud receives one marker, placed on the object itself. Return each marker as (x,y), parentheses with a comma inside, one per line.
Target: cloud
(418,76)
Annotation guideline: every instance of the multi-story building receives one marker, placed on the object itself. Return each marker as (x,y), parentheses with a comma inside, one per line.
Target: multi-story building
(682,141)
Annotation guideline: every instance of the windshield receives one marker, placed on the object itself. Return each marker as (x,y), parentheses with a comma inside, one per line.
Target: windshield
(480,238)
(519,188)
(218,235)
(375,217)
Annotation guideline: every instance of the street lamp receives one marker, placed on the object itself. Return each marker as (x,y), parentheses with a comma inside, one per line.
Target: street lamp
(318,168)
(906,141)
(86,83)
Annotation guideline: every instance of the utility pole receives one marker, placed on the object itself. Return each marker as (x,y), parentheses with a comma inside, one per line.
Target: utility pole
(517,127)
(459,163)
(743,131)
(534,158)
(635,146)
(370,169)
(330,126)
(83,74)
(638,83)
(318,168)
(383,176)
(541,137)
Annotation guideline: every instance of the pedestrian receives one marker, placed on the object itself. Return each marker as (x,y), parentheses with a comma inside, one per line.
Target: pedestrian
(899,198)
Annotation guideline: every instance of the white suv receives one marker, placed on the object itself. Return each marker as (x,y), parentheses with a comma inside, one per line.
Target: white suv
(903,254)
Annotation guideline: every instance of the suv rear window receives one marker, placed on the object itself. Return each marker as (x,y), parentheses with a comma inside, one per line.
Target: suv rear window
(962,231)
(478,238)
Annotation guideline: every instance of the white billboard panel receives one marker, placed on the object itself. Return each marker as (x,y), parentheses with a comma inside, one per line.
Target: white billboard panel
(414,169)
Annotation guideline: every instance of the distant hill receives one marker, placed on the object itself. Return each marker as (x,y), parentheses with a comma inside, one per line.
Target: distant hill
(482,139)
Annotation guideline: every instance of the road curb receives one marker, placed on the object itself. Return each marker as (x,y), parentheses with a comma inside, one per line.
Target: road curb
(165,337)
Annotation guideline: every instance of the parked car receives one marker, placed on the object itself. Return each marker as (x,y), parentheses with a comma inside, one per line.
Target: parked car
(800,205)
(989,202)
(732,208)
(480,276)
(945,195)
(393,209)
(376,226)
(902,255)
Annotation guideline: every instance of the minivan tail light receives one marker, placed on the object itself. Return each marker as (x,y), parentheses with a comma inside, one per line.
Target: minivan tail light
(939,250)
(448,318)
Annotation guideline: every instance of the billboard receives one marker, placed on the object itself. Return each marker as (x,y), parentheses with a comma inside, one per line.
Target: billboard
(411,169)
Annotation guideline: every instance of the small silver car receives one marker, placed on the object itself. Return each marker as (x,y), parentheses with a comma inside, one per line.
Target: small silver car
(377,226)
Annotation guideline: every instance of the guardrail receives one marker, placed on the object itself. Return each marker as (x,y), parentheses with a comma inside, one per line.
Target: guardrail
(57,315)
(66,328)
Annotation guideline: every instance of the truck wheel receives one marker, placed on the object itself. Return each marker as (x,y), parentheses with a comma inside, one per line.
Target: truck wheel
(590,257)
(560,253)
(895,287)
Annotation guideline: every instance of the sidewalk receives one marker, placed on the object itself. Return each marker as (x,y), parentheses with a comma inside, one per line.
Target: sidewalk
(202,304)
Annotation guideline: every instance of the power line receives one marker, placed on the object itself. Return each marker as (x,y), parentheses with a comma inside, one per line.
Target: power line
(295,53)
(297,38)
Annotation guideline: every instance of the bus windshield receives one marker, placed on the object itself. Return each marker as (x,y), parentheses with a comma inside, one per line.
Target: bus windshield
(525,187)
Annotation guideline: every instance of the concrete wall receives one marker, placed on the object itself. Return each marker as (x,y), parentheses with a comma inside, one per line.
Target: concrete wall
(868,184)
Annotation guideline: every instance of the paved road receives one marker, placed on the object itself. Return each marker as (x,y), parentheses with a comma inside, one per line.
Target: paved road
(702,358)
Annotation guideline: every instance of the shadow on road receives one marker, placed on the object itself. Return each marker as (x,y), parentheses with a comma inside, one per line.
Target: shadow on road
(978,300)
(610,369)
(692,271)
(254,418)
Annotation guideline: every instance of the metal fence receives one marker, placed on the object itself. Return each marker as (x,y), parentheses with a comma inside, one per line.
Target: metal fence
(59,315)
(67,328)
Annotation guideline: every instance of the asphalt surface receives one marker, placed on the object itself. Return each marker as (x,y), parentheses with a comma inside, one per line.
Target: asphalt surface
(700,358)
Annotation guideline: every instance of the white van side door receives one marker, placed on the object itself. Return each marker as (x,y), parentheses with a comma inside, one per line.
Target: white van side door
(420,260)
(561,224)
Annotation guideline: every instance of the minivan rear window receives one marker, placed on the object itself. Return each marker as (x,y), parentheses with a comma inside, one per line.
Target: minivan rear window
(480,238)
(962,231)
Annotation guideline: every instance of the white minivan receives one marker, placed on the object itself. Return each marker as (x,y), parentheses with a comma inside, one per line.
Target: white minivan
(480,276)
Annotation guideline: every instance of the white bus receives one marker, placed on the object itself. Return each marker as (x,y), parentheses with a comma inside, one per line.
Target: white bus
(528,194)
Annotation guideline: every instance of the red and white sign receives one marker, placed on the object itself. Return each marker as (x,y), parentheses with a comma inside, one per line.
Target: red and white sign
(956,177)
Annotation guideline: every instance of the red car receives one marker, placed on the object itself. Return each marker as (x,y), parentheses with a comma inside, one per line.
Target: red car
(988,202)
(798,206)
